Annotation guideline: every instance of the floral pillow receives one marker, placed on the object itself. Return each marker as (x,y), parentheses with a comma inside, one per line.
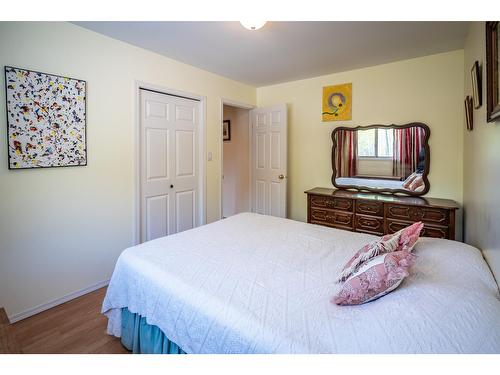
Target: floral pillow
(375,278)
(403,240)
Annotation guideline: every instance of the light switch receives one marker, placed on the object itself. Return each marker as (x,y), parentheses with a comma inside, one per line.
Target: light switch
(210,156)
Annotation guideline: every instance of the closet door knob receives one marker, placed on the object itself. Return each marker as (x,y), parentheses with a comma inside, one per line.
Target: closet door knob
(171,186)
(281,177)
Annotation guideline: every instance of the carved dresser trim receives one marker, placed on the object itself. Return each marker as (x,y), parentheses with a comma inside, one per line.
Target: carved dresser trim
(380,214)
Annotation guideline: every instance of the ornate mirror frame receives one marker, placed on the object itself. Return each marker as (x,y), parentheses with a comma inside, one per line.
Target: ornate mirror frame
(386,190)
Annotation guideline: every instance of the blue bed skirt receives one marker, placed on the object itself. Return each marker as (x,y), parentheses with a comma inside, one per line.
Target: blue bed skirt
(142,338)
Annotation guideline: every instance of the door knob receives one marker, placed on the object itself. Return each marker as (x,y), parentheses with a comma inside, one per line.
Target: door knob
(171,186)
(281,177)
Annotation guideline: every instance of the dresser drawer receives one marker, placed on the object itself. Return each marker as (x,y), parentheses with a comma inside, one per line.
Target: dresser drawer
(369,208)
(332,218)
(334,203)
(369,224)
(428,215)
(427,231)
(380,214)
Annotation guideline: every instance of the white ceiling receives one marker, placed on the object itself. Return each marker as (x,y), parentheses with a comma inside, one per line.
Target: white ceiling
(286,51)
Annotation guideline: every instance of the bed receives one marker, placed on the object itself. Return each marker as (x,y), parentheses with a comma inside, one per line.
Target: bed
(374,183)
(260,284)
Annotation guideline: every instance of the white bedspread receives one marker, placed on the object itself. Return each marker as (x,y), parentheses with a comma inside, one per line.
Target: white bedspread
(370,182)
(375,183)
(260,284)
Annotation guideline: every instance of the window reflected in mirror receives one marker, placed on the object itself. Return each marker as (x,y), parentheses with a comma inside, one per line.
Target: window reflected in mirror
(375,143)
(377,158)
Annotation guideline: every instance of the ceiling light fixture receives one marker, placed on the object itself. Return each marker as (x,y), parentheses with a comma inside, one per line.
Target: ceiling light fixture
(252,25)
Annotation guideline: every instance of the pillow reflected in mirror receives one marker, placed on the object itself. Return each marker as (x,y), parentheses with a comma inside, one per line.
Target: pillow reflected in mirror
(415,182)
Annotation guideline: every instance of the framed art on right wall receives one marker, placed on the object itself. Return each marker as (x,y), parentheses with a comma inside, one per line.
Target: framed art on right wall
(476,85)
(492,70)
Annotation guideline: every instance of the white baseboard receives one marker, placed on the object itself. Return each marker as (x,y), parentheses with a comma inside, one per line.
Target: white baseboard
(45,306)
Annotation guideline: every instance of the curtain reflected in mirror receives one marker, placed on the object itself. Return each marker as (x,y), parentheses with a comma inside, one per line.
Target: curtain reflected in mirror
(382,158)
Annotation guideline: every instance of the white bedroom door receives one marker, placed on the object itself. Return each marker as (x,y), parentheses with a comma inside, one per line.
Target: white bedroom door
(169,130)
(269,160)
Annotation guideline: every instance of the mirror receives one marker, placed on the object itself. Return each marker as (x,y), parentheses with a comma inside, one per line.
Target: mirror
(382,158)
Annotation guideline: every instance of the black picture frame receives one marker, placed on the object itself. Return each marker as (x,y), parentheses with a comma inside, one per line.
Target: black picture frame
(226,130)
(469,118)
(8,112)
(476,84)
(492,72)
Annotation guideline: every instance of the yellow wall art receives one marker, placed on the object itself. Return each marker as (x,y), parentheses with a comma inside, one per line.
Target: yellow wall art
(337,102)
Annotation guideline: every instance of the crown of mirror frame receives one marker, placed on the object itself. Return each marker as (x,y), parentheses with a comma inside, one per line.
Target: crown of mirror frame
(390,159)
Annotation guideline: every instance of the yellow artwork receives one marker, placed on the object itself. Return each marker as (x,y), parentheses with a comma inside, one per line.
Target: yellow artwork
(337,102)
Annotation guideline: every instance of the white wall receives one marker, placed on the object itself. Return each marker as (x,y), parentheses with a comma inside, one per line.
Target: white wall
(481,163)
(236,191)
(427,89)
(375,167)
(62,229)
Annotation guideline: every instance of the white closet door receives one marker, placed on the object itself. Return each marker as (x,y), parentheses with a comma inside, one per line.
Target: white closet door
(169,164)
(269,160)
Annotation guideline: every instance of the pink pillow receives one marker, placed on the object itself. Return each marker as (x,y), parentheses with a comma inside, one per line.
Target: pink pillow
(403,240)
(375,278)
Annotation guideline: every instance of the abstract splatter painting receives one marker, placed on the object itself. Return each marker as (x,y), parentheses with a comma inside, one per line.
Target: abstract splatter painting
(337,102)
(46,119)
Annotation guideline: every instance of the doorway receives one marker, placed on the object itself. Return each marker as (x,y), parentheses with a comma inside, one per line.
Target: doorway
(170,165)
(236,140)
(253,159)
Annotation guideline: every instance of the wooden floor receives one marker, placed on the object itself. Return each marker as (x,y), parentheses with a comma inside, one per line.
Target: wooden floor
(7,342)
(76,326)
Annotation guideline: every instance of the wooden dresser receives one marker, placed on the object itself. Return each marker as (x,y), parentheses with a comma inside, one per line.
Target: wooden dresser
(380,214)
